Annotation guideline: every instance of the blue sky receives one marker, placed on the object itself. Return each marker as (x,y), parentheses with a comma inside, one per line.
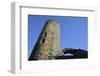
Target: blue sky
(73,30)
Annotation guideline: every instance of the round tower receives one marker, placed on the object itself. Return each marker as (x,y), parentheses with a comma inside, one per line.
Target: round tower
(48,43)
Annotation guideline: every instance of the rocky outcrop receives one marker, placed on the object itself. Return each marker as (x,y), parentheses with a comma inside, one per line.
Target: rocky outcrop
(76,53)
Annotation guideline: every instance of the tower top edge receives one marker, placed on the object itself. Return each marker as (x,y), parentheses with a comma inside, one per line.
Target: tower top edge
(51,21)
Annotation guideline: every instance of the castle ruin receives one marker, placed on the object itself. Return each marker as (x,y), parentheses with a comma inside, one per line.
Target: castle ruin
(48,44)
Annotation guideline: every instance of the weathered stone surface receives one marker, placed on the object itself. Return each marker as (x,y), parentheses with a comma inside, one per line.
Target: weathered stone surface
(48,43)
(76,53)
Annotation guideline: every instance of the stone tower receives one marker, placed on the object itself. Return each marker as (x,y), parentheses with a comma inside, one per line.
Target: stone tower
(48,44)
